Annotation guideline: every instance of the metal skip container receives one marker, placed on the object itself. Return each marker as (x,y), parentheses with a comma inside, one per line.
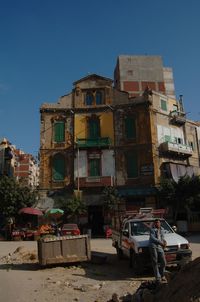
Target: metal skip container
(65,249)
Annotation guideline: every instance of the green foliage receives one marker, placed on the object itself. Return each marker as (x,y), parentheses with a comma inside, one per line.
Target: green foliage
(13,197)
(183,195)
(111,198)
(73,207)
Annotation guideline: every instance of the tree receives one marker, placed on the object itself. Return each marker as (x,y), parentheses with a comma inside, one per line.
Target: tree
(73,207)
(183,195)
(111,198)
(13,197)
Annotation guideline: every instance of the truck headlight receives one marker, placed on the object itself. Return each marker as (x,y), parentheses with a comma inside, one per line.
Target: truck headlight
(184,246)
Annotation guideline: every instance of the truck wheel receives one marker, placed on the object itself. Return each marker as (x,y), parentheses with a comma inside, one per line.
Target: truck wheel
(119,253)
(182,263)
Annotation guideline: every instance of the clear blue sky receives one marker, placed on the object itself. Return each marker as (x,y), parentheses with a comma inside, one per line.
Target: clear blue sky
(46,45)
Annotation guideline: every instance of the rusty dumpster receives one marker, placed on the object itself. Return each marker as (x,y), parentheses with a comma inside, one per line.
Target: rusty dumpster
(65,249)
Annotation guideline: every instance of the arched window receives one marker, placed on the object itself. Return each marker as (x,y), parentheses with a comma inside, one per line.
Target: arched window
(89,98)
(99,98)
(58,167)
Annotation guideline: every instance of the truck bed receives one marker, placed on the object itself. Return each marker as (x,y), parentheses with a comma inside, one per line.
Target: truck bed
(65,249)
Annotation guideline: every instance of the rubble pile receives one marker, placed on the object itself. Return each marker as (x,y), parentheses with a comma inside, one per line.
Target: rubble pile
(20,255)
(184,286)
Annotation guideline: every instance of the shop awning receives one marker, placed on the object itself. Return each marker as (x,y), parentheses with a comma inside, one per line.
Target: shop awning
(176,171)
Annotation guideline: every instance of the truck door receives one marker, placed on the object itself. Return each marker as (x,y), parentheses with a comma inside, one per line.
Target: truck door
(125,238)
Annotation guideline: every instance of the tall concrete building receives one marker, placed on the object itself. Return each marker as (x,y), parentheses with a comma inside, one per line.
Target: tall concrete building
(134,73)
(26,169)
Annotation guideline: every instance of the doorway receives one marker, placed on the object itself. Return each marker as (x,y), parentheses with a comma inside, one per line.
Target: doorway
(96,220)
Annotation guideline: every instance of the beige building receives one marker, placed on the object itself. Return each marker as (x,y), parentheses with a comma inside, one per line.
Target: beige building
(175,140)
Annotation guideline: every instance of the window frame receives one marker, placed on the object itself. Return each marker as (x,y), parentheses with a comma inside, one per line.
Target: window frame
(93,119)
(91,95)
(94,156)
(62,140)
(100,93)
(133,131)
(58,156)
(135,170)
(163,105)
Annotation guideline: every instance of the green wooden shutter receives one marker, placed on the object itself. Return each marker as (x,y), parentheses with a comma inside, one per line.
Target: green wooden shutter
(58,168)
(132,164)
(94,167)
(59,132)
(130,128)
(168,138)
(164,105)
(94,129)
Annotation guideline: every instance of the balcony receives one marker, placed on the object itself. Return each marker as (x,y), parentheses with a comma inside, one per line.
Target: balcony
(176,149)
(178,118)
(95,181)
(93,142)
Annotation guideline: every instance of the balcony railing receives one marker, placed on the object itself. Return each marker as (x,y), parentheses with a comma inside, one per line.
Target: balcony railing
(178,117)
(95,181)
(93,142)
(176,148)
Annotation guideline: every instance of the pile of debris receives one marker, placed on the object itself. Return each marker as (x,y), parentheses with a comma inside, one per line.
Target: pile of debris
(19,256)
(182,286)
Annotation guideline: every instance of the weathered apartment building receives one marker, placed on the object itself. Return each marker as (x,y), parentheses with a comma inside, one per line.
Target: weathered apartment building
(128,135)
(88,142)
(173,140)
(26,169)
(16,163)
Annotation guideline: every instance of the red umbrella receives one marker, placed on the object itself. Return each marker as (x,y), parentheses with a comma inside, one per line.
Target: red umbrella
(31,211)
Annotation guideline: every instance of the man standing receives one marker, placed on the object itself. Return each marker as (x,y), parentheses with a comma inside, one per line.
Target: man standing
(157,244)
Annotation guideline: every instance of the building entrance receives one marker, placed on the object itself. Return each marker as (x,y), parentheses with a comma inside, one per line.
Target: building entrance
(96,220)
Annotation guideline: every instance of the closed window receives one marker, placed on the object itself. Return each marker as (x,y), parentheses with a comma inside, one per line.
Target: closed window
(163,104)
(89,98)
(94,167)
(59,132)
(99,98)
(94,128)
(130,127)
(131,164)
(58,167)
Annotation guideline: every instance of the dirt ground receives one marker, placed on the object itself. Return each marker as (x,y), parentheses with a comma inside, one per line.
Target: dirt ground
(22,280)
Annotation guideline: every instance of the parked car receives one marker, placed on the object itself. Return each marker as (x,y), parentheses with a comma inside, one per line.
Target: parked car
(70,229)
(107,231)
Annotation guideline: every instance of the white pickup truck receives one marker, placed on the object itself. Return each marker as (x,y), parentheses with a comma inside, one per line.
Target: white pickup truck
(131,239)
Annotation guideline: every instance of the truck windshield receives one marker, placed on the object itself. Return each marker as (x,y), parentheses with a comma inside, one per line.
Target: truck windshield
(143,227)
